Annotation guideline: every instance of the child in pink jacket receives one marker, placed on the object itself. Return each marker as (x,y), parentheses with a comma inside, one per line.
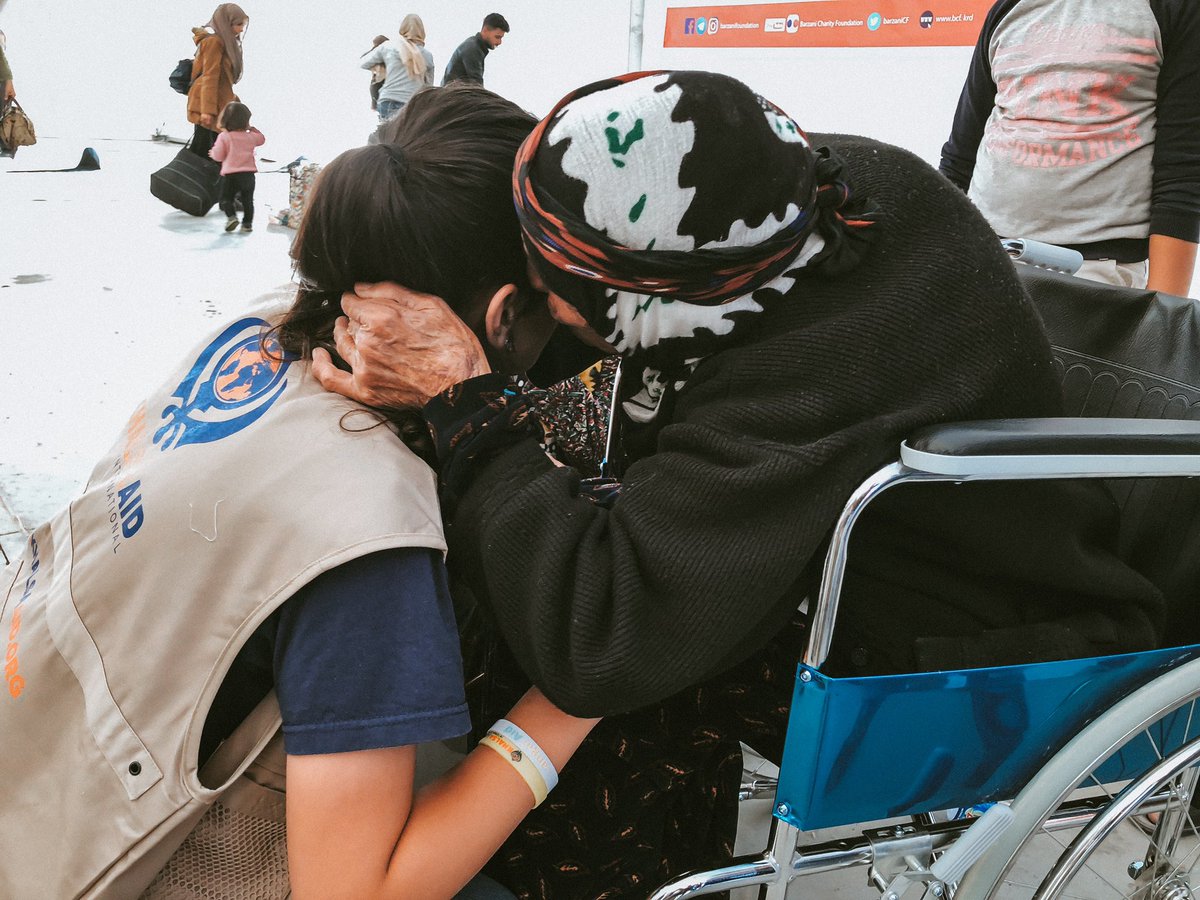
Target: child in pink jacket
(234,150)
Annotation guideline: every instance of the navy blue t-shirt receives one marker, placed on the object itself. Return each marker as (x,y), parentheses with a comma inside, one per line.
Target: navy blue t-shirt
(364,656)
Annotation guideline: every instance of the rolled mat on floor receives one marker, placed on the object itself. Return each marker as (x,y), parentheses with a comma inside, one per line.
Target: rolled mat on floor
(88,162)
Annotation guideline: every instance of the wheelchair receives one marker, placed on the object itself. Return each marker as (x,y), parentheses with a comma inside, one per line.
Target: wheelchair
(1086,767)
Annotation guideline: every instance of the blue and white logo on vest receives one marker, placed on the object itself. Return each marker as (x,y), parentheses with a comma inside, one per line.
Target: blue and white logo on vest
(231,385)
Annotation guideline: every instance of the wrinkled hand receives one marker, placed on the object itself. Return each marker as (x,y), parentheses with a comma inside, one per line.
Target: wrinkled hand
(404,348)
(10,91)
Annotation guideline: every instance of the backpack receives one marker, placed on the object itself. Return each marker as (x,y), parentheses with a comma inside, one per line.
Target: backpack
(16,128)
(180,78)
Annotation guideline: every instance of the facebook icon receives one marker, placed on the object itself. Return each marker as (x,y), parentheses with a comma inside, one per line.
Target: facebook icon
(689,26)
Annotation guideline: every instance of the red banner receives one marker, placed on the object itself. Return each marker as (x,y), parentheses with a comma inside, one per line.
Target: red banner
(829,23)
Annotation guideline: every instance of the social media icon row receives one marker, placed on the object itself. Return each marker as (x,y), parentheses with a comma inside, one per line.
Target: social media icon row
(790,24)
(701,25)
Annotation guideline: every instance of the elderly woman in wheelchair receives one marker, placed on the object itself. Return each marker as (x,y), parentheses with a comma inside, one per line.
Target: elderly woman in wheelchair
(1078,751)
(808,304)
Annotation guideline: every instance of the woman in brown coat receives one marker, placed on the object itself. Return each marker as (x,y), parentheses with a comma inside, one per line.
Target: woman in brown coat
(215,70)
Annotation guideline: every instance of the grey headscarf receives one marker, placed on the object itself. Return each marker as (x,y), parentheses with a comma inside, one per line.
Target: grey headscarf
(223,19)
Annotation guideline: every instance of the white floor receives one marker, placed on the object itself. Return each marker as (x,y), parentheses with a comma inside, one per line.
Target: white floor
(102,290)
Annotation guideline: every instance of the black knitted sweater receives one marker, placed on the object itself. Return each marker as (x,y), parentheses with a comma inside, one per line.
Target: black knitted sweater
(719,530)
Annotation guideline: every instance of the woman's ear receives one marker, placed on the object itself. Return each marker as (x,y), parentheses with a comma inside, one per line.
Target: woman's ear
(499,317)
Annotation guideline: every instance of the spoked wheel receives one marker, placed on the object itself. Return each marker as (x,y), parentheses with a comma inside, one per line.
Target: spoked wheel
(1139,846)
(1109,816)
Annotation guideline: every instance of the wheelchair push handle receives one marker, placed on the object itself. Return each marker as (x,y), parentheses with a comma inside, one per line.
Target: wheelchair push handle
(1043,256)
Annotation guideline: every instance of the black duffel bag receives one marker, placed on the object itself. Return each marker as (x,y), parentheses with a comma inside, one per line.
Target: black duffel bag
(189,182)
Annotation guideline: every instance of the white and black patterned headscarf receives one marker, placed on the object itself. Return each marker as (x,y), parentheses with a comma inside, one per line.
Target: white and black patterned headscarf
(668,207)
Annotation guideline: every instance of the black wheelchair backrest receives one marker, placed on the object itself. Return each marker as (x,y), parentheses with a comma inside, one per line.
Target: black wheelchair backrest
(1135,354)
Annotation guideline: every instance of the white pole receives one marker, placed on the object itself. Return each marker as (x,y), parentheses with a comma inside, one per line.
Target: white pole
(637,19)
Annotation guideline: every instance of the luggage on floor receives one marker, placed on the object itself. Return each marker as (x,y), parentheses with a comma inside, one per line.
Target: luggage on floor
(189,182)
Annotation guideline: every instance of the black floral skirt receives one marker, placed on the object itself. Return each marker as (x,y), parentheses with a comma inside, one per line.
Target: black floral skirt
(650,794)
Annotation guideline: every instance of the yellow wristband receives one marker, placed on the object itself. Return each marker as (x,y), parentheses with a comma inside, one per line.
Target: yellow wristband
(525,766)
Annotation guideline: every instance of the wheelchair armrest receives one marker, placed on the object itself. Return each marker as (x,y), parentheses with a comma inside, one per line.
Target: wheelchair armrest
(1056,448)
(1006,450)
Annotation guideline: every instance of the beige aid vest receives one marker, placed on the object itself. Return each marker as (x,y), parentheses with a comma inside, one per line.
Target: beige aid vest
(231,487)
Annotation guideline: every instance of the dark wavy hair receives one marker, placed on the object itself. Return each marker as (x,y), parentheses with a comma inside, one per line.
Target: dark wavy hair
(429,206)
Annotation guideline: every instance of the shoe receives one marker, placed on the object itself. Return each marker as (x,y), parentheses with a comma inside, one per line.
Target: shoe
(231,223)
(1147,822)
(246,229)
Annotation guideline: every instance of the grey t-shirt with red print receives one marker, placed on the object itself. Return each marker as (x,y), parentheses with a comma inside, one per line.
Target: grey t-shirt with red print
(1079,125)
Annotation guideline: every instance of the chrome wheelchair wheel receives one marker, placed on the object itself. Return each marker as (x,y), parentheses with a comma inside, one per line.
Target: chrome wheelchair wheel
(1080,833)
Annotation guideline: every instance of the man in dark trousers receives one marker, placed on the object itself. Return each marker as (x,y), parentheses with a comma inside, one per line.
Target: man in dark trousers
(466,62)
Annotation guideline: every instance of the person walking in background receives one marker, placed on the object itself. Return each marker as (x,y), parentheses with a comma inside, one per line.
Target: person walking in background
(378,72)
(8,91)
(215,70)
(409,66)
(1078,125)
(466,62)
(234,150)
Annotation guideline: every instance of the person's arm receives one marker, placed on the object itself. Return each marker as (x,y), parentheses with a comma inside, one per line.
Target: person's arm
(374,58)
(356,830)
(1175,191)
(365,662)
(259,138)
(428,78)
(975,105)
(1172,265)
(220,147)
